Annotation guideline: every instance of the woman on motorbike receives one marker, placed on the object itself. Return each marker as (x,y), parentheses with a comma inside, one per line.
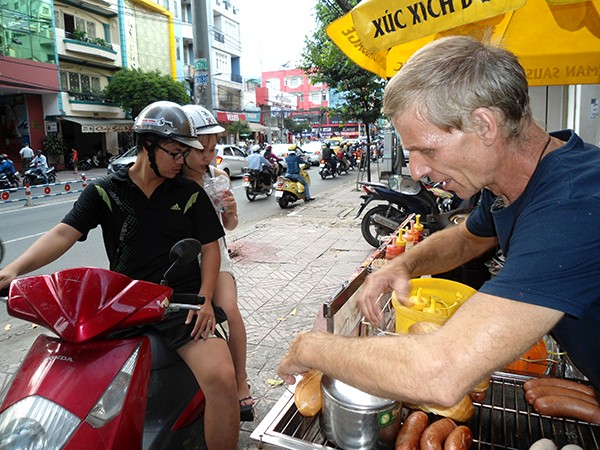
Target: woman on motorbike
(197,167)
(274,160)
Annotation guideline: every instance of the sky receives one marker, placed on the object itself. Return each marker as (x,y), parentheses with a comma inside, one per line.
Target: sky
(273,33)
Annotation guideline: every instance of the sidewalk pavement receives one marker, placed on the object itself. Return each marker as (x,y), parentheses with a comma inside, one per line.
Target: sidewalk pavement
(285,269)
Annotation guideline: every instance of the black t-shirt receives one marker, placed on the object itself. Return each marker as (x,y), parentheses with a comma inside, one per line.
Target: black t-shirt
(139,232)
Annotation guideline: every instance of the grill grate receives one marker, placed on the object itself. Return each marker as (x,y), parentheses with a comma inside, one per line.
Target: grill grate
(503,421)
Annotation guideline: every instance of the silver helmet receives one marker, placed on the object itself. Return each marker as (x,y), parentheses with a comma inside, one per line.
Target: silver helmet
(203,120)
(168,120)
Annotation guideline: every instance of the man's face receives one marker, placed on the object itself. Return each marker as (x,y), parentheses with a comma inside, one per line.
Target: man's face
(169,156)
(457,159)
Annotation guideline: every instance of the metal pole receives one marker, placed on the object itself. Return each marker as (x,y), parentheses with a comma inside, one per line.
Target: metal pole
(202,70)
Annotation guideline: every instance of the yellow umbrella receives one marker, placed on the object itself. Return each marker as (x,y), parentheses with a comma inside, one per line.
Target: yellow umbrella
(556,41)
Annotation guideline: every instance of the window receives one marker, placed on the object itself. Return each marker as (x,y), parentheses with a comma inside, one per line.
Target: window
(222,63)
(315,97)
(293,82)
(76,82)
(72,23)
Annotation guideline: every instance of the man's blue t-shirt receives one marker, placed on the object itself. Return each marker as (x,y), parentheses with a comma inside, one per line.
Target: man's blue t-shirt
(550,237)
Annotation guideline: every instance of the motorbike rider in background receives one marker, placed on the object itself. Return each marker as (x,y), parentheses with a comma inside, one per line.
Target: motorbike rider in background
(198,167)
(293,162)
(329,157)
(40,163)
(274,160)
(143,211)
(8,168)
(260,165)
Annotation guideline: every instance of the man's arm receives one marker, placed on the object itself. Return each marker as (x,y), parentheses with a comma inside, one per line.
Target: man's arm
(485,334)
(440,252)
(46,249)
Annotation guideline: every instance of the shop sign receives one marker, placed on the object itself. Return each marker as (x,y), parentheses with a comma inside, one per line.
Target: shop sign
(230,117)
(105,128)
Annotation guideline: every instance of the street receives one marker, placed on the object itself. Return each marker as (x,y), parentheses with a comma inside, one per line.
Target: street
(20,226)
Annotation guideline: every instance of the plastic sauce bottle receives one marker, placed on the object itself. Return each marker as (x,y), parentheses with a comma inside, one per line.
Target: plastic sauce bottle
(419,229)
(409,238)
(395,248)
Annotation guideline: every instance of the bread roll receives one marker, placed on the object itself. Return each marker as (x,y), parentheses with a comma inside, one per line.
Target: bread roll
(307,396)
(461,412)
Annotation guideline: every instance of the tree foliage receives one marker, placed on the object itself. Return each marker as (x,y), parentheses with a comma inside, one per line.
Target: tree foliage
(239,128)
(296,127)
(134,89)
(326,63)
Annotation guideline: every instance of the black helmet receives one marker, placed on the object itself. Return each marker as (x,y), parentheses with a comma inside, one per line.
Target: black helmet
(167,120)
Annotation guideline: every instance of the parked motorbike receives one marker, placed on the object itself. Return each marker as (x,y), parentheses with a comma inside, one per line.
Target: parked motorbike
(9,180)
(33,176)
(327,168)
(407,197)
(255,183)
(289,191)
(89,387)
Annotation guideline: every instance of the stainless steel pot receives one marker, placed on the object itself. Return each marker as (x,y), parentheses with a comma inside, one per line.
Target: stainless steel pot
(355,420)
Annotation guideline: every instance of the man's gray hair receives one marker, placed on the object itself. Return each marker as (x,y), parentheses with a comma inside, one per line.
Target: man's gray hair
(448,79)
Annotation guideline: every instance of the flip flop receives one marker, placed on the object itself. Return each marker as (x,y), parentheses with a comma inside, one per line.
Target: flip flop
(246,411)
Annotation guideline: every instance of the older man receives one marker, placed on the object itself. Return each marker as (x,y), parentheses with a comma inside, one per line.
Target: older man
(462,110)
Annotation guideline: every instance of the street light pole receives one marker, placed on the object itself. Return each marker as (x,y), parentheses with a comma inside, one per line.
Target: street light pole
(202,70)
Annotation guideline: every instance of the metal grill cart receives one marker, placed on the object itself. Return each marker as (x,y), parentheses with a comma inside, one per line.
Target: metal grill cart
(504,420)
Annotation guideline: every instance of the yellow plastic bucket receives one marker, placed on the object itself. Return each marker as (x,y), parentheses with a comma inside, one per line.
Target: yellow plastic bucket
(443,299)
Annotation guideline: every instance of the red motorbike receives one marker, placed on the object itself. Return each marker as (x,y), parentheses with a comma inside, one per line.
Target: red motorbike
(91,386)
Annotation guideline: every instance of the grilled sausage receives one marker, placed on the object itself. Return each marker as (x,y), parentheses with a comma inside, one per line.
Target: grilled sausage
(563,406)
(544,390)
(435,434)
(461,438)
(410,433)
(478,396)
(560,382)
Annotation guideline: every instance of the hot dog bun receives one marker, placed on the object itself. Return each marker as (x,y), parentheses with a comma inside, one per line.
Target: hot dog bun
(307,396)
(461,412)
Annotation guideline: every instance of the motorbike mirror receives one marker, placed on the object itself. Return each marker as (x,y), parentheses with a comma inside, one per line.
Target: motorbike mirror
(1,250)
(183,252)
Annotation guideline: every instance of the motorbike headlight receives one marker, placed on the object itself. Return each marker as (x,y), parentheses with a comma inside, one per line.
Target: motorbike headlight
(113,398)
(36,423)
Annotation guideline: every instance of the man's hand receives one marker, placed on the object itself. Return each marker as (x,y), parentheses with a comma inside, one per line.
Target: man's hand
(205,321)
(6,277)
(289,365)
(384,280)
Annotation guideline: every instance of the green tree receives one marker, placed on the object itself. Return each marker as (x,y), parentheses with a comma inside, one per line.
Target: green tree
(296,126)
(134,89)
(54,147)
(325,62)
(239,128)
